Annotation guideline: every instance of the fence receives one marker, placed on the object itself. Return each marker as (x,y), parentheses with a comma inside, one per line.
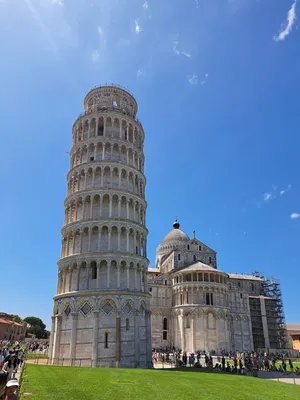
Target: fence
(87,362)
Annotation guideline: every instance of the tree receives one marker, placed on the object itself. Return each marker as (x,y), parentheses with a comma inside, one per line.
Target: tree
(37,327)
(16,318)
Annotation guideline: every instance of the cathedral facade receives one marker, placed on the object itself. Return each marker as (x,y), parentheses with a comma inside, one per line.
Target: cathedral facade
(195,306)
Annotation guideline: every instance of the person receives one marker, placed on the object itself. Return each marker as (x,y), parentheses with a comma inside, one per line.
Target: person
(10,390)
(184,359)
(3,379)
(223,363)
(8,368)
(284,366)
(228,368)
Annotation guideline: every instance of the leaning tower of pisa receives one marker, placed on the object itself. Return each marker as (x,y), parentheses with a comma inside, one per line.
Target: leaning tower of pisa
(101,314)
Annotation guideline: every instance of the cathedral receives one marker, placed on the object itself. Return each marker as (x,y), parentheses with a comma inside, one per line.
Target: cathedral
(105,291)
(195,306)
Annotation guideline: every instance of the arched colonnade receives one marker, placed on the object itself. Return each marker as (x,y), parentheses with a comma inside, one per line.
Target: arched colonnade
(200,295)
(108,177)
(108,126)
(103,238)
(105,206)
(102,274)
(107,151)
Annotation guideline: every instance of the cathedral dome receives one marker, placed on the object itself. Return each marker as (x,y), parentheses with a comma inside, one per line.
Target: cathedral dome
(175,235)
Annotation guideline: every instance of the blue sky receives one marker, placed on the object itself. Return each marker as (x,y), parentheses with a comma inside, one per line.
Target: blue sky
(217,83)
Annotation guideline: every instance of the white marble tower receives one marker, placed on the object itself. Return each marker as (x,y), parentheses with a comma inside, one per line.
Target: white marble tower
(102,307)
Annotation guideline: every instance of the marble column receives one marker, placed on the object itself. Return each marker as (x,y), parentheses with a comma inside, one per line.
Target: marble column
(193,333)
(204,316)
(118,339)
(74,316)
(137,338)
(50,355)
(77,278)
(181,329)
(148,339)
(56,340)
(95,339)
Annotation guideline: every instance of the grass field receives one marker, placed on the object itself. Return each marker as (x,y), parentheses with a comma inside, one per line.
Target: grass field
(65,383)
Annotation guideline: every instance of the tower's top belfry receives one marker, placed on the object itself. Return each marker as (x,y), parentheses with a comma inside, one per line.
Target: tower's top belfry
(102,97)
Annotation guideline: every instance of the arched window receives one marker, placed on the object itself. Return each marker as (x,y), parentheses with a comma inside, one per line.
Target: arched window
(188,246)
(194,258)
(207,299)
(94,269)
(165,324)
(177,279)
(127,324)
(209,260)
(200,248)
(178,257)
(106,340)
(252,287)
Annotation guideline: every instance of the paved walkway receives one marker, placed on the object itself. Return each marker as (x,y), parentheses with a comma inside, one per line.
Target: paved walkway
(279,377)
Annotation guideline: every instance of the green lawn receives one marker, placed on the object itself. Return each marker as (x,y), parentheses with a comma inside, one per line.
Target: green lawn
(65,383)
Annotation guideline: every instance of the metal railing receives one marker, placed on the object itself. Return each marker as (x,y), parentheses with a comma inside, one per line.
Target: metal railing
(106,109)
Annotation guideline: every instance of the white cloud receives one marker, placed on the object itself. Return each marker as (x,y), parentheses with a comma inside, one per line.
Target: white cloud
(145,5)
(186,54)
(100,31)
(268,196)
(204,80)
(176,51)
(282,192)
(193,79)
(95,55)
(197,3)
(295,216)
(58,2)
(138,28)
(139,73)
(291,17)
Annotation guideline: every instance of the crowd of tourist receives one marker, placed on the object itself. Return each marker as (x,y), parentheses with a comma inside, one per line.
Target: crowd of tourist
(11,359)
(238,363)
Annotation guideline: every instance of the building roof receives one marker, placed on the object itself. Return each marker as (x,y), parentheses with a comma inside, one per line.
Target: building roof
(293,327)
(175,235)
(244,276)
(198,266)
(5,321)
(154,270)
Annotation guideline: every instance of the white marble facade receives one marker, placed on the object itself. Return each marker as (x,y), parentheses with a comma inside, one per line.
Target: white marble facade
(101,313)
(194,305)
